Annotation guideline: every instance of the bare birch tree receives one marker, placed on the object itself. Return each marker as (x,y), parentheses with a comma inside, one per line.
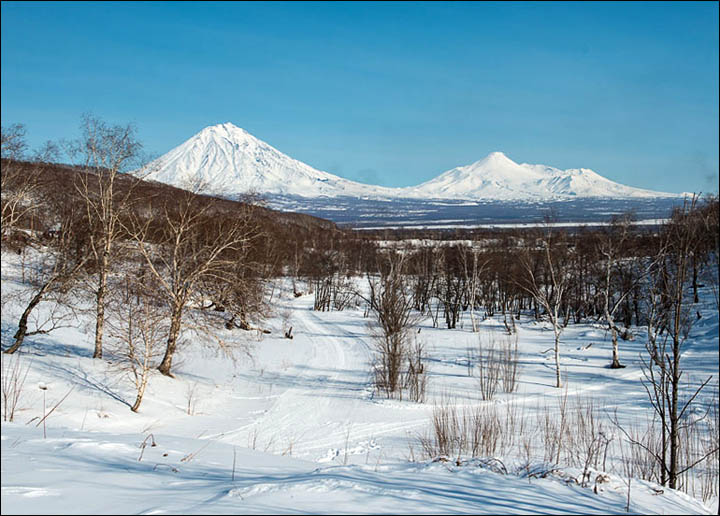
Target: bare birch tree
(62,256)
(137,326)
(188,246)
(548,292)
(609,247)
(20,179)
(669,324)
(16,184)
(103,153)
(473,269)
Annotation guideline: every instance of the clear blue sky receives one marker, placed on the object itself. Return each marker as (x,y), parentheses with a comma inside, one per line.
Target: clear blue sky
(387,93)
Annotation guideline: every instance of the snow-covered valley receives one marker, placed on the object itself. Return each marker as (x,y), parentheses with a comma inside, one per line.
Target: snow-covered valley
(359,258)
(294,426)
(368,213)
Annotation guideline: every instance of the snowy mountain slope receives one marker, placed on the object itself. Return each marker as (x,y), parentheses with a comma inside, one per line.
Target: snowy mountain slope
(498,177)
(228,161)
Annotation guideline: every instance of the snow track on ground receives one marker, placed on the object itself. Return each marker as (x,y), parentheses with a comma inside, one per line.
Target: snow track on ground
(314,411)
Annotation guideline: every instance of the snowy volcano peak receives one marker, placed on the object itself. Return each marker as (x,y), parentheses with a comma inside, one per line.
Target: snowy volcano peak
(495,159)
(495,176)
(226,160)
(228,131)
(229,126)
(498,177)
(494,163)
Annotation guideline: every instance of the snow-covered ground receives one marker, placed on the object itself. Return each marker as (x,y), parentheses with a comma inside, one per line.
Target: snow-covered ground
(418,213)
(294,427)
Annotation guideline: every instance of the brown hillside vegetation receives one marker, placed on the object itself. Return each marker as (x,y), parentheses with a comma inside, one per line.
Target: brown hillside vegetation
(58,179)
(281,234)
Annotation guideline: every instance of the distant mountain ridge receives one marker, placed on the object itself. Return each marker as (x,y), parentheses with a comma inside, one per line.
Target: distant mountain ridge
(227,161)
(500,178)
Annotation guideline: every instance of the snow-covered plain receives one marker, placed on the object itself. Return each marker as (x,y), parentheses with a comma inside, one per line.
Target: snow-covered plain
(423,213)
(294,427)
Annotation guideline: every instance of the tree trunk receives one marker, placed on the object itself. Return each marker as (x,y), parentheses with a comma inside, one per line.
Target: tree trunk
(140,392)
(175,320)
(556,329)
(614,335)
(22,324)
(615,354)
(674,423)
(558,383)
(696,298)
(609,319)
(100,306)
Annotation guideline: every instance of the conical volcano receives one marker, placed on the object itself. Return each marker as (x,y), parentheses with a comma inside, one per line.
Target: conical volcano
(226,160)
